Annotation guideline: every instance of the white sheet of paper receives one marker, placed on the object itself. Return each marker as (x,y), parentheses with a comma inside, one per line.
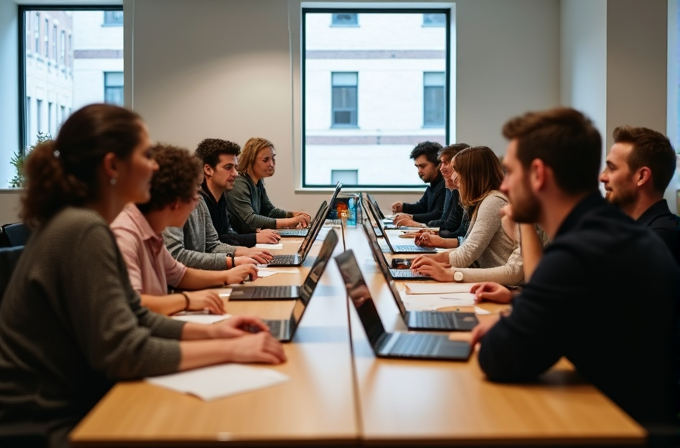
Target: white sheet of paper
(223,292)
(269,246)
(437,288)
(201,318)
(262,273)
(479,310)
(210,383)
(427,302)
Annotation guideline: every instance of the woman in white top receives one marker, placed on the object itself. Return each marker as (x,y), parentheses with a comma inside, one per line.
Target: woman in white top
(487,253)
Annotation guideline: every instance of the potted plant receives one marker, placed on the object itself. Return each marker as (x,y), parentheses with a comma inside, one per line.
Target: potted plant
(18,159)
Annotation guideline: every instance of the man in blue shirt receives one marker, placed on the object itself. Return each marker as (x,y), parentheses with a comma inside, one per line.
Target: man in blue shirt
(605,292)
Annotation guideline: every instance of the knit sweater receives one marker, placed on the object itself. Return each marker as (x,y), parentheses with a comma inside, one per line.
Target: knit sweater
(486,246)
(71,325)
(250,208)
(197,245)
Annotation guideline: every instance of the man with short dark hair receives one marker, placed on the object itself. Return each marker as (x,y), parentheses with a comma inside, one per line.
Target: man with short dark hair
(583,299)
(431,205)
(220,165)
(639,167)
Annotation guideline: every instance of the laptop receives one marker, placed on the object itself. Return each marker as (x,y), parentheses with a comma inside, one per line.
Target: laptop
(299,258)
(303,292)
(394,345)
(396,248)
(388,222)
(304,232)
(428,320)
(379,257)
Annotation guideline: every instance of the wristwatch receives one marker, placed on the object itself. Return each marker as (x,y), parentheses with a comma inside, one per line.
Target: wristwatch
(457,276)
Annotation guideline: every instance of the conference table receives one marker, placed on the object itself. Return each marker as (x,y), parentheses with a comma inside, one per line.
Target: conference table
(340,394)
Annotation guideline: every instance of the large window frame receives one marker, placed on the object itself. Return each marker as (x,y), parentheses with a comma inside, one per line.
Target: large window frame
(358,10)
(24,44)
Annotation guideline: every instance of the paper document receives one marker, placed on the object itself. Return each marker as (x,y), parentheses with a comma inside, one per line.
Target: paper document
(276,270)
(437,288)
(479,310)
(201,318)
(269,246)
(262,273)
(210,383)
(427,302)
(223,292)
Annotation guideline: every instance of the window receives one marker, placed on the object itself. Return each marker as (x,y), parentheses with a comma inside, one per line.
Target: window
(47,39)
(113,88)
(371,93)
(344,101)
(114,18)
(434,99)
(434,19)
(345,19)
(73,39)
(347,177)
(36,32)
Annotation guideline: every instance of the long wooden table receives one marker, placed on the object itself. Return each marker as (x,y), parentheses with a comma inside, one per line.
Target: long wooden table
(341,394)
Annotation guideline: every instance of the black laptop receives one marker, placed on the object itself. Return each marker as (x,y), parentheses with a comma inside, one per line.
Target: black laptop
(395,248)
(304,232)
(394,345)
(303,292)
(379,257)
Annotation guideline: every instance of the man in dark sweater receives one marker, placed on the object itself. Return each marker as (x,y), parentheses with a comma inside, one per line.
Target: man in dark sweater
(639,168)
(605,293)
(431,205)
(220,163)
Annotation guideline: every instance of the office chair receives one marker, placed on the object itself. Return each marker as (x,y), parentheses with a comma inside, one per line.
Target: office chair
(9,256)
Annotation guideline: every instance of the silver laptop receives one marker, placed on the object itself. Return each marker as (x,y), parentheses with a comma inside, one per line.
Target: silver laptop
(395,248)
(394,345)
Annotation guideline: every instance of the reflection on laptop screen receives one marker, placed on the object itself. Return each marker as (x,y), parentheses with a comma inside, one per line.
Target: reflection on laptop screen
(319,266)
(360,295)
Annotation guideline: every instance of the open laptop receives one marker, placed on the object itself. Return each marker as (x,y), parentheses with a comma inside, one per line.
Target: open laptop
(299,258)
(291,292)
(388,223)
(305,232)
(428,320)
(379,257)
(394,345)
(396,248)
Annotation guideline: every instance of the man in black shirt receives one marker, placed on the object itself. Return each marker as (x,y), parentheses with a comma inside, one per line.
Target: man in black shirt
(605,293)
(639,167)
(431,205)
(220,165)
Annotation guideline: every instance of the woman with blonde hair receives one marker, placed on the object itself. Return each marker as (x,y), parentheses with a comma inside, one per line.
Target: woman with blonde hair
(247,202)
(486,253)
(70,322)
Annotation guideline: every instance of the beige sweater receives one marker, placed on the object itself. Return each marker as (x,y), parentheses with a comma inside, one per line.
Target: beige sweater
(488,254)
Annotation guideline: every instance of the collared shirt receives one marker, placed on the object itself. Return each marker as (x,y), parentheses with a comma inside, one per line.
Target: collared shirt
(604,296)
(150,265)
(664,224)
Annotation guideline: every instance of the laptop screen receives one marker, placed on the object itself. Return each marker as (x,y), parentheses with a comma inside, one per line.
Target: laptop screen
(360,296)
(319,266)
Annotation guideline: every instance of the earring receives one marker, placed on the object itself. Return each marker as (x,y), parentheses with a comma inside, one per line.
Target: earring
(113,181)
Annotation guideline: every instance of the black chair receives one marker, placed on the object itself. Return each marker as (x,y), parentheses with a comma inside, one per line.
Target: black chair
(23,435)
(9,256)
(15,234)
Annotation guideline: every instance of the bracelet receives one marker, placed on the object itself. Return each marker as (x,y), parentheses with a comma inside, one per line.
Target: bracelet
(233,260)
(186,298)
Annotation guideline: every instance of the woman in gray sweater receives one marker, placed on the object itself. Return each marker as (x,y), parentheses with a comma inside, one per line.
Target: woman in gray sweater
(248,203)
(487,253)
(70,323)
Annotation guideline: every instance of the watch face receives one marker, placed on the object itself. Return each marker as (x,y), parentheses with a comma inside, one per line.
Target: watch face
(458,276)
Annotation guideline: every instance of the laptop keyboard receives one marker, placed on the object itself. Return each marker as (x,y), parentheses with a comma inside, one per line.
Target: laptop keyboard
(272,291)
(274,326)
(406,273)
(284,259)
(409,248)
(431,319)
(415,344)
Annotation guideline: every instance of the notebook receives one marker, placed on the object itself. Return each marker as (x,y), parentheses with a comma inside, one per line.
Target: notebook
(303,292)
(394,345)
(396,248)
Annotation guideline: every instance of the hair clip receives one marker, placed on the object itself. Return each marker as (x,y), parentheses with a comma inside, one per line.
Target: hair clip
(56,153)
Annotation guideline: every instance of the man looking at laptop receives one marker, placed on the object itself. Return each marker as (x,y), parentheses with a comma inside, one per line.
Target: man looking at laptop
(639,167)
(220,166)
(583,299)
(431,205)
